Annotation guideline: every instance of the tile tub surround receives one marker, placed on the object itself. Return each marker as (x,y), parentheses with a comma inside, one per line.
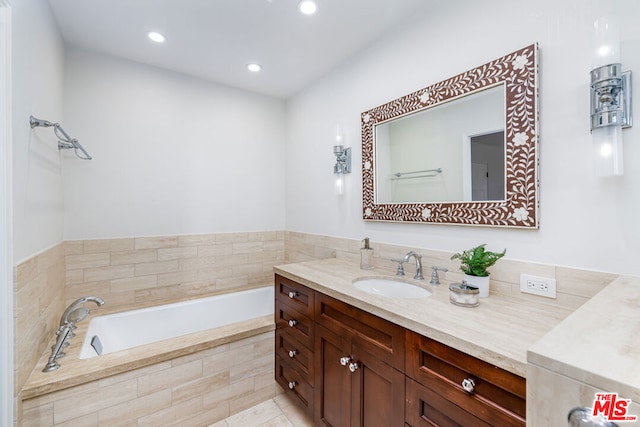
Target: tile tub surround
(499,331)
(134,270)
(38,304)
(196,389)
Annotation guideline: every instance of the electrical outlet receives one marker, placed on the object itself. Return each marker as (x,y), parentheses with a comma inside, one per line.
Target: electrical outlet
(543,286)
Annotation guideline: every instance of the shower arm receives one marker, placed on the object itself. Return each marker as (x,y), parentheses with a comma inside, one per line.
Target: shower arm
(64,141)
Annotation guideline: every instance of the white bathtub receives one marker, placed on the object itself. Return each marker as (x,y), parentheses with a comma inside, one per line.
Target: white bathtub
(127,329)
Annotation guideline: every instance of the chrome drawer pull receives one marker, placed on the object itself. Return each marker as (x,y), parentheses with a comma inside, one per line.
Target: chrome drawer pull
(292,322)
(292,385)
(344,361)
(468,385)
(353,366)
(292,295)
(292,353)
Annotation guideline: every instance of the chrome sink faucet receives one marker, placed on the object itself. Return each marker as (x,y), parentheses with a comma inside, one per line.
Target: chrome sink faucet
(418,259)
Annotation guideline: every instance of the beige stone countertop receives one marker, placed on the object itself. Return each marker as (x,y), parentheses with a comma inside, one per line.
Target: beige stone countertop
(499,331)
(599,344)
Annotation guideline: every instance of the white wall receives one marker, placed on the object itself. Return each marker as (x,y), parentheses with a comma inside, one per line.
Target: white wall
(38,68)
(585,222)
(171,154)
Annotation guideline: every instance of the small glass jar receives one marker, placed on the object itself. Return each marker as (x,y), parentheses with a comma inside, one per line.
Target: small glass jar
(463,295)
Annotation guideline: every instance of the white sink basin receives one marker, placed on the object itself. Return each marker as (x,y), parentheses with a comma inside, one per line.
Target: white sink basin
(391,288)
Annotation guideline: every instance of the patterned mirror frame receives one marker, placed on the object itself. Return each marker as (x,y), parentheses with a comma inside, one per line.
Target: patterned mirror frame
(518,71)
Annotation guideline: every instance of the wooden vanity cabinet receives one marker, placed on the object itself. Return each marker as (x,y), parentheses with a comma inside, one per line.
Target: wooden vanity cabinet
(350,368)
(295,339)
(437,376)
(359,367)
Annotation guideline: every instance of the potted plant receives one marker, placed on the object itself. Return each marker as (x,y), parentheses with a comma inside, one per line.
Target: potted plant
(474,263)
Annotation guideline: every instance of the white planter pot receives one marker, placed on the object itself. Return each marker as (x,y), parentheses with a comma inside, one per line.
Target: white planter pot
(482,283)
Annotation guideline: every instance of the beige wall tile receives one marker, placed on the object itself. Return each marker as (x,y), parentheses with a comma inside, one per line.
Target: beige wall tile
(169,378)
(73,247)
(174,415)
(100,259)
(108,245)
(157,267)
(232,237)
(38,416)
(127,413)
(206,251)
(177,253)
(86,403)
(134,257)
(156,242)
(134,283)
(196,240)
(108,273)
(189,390)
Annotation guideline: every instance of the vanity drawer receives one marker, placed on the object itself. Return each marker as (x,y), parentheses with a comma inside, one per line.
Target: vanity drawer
(424,407)
(497,394)
(294,384)
(295,323)
(295,295)
(295,354)
(381,338)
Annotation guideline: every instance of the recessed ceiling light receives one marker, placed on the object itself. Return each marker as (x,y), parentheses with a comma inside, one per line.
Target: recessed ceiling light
(156,37)
(254,67)
(307,7)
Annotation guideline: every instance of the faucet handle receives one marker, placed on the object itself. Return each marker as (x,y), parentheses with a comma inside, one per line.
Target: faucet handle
(400,270)
(435,280)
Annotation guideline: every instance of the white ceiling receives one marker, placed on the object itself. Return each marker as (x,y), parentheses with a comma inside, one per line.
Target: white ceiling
(215,39)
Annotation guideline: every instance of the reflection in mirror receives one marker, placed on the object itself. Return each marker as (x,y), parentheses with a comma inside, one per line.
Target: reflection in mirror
(438,154)
(461,151)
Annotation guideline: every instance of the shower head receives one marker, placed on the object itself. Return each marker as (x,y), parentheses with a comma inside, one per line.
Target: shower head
(64,140)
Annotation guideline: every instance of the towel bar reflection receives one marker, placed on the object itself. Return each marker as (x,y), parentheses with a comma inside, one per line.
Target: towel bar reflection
(64,140)
(430,173)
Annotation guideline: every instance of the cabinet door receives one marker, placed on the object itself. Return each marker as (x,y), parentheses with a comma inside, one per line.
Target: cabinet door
(378,392)
(333,380)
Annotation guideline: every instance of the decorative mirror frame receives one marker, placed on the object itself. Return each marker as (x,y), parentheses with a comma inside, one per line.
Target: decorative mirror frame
(518,71)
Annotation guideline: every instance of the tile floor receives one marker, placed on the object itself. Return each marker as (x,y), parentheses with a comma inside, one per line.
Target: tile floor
(277,412)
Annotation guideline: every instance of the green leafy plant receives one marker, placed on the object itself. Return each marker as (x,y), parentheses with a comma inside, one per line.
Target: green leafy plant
(475,261)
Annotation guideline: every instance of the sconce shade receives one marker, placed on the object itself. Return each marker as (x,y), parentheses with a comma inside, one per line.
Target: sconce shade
(607,145)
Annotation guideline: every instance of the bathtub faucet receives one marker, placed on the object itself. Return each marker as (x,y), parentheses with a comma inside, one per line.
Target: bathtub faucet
(72,315)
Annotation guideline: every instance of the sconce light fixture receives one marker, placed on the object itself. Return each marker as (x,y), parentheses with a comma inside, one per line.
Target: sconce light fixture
(610,99)
(342,166)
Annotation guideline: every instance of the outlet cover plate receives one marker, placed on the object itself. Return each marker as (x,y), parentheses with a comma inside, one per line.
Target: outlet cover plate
(537,285)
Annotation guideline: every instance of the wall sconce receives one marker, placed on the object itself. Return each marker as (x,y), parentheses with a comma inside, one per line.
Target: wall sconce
(342,166)
(610,99)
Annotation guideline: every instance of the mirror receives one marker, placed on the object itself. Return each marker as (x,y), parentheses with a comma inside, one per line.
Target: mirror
(461,151)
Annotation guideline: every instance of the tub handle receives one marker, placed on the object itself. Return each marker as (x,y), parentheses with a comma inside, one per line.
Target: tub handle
(292,322)
(292,353)
(292,385)
(293,294)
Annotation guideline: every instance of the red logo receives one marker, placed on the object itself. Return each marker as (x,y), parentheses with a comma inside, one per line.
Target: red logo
(613,408)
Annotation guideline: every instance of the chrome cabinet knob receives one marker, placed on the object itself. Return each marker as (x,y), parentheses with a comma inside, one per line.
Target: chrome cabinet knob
(344,361)
(292,353)
(292,385)
(353,366)
(292,323)
(292,295)
(468,385)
